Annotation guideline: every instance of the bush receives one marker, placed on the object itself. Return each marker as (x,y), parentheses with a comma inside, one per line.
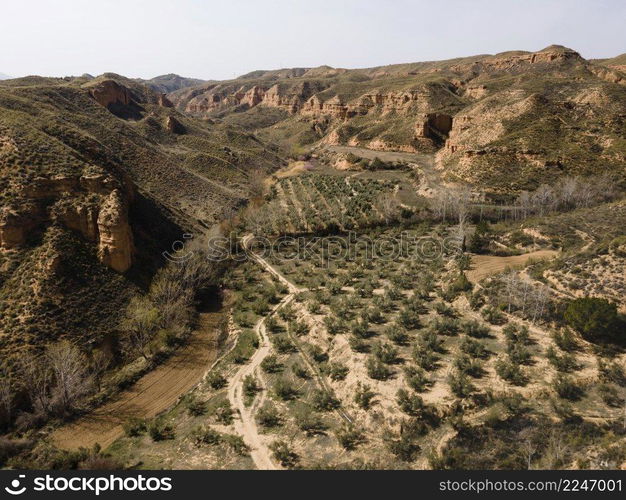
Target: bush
(282,344)
(475,329)
(268,416)
(493,315)
(610,395)
(445,326)
(460,284)
(563,363)
(376,369)
(271,364)
(595,319)
(460,385)
(205,435)
(425,357)
(566,388)
(282,453)
(160,430)
(337,371)
(474,348)
(135,427)
(385,352)
(196,407)
(416,378)
(612,372)
(236,443)
(469,366)
(284,390)
(411,404)
(216,380)
(364,396)
(349,436)
(403,447)
(250,386)
(510,372)
(224,413)
(324,401)
(317,353)
(310,423)
(565,340)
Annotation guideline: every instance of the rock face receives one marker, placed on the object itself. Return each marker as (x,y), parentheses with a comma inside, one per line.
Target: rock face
(173,126)
(93,205)
(115,247)
(164,101)
(110,92)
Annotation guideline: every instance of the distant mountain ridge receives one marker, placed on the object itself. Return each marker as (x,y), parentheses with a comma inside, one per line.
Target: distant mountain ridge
(170,82)
(4,76)
(507,121)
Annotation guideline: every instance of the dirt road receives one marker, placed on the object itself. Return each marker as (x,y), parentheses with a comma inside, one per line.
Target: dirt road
(486,265)
(153,393)
(246,424)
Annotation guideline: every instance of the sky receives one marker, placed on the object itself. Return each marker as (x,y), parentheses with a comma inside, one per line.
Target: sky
(222,39)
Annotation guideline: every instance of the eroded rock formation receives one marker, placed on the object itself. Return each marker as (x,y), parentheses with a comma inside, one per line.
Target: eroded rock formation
(115,247)
(93,205)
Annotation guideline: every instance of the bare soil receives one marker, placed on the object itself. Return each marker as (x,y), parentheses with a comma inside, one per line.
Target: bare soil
(152,394)
(486,265)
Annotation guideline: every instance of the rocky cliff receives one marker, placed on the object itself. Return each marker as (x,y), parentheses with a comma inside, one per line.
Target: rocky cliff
(92,205)
(516,116)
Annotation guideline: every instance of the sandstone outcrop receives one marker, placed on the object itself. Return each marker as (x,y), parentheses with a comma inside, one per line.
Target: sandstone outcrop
(110,92)
(93,205)
(115,247)
(164,101)
(174,126)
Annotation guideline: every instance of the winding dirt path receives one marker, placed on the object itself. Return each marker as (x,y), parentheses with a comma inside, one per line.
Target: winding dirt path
(152,394)
(246,424)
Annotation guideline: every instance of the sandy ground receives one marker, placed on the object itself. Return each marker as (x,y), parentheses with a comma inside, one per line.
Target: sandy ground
(151,395)
(486,265)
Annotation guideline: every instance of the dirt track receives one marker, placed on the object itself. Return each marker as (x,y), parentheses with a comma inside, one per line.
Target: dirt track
(486,265)
(152,394)
(246,424)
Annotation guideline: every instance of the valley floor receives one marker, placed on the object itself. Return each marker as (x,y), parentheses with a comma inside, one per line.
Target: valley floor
(149,396)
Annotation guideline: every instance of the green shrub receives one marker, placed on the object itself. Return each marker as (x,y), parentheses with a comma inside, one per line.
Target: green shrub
(216,380)
(196,407)
(282,453)
(160,430)
(364,396)
(377,369)
(349,436)
(284,390)
(511,372)
(595,319)
(271,364)
(322,400)
(566,388)
(135,427)
(268,416)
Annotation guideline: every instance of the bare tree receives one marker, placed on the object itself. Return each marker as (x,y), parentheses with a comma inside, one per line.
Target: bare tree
(528,445)
(69,368)
(37,379)
(388,206)
(100,361)
(139,326)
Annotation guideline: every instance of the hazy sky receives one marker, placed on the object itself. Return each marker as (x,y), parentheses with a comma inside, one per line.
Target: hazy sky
(221,39)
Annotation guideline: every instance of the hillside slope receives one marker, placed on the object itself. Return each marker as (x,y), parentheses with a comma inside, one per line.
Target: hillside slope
(508,120)
(97,178)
